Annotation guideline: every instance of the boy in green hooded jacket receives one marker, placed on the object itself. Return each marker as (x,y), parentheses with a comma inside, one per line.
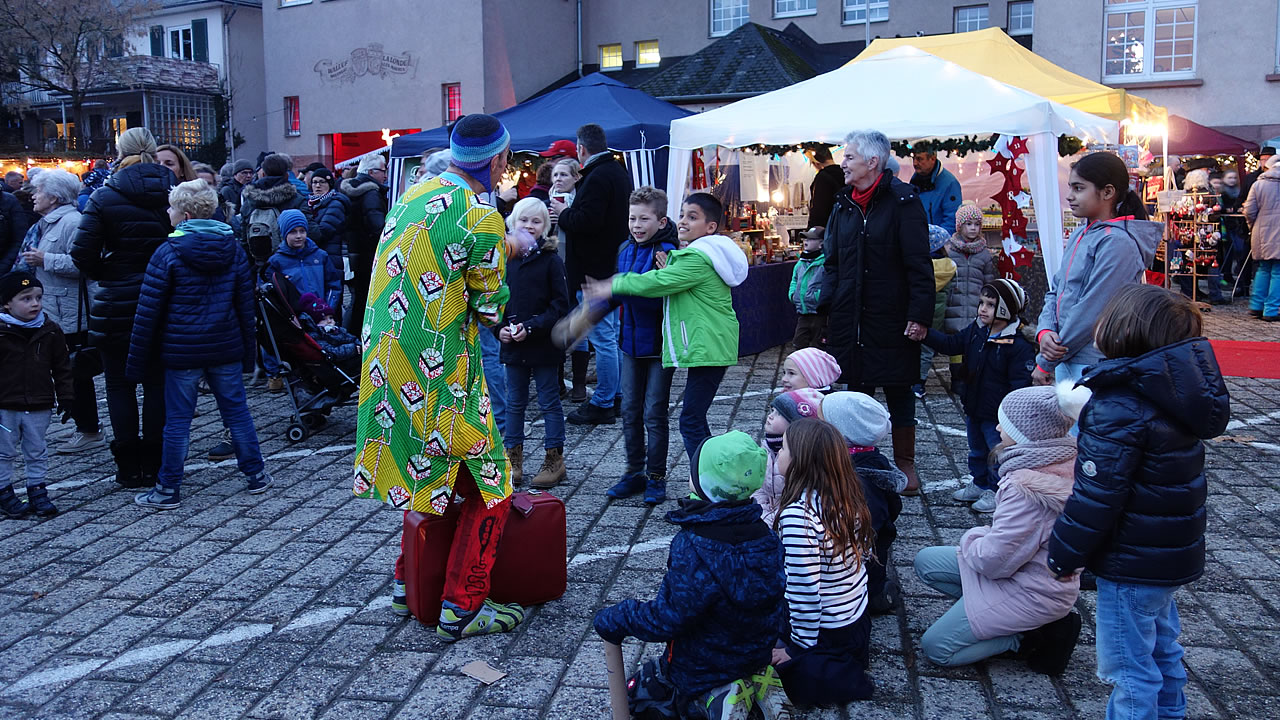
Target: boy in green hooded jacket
(699,325)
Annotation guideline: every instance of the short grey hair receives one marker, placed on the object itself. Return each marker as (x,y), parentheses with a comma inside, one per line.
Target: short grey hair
(868,144)
(372,162)
(61,185)
(195,198)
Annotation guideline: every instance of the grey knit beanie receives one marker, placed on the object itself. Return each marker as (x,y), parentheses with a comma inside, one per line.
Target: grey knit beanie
(1039,413)
(859,417)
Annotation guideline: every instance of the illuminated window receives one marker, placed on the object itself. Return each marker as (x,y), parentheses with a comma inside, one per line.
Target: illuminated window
(856,11)
(647,54)
(292,117)
(182,119)
(1021,17)
(1149,39)
(610,57)
(788,8)
(452,101)
(728,15)
(180,45)
(969,19)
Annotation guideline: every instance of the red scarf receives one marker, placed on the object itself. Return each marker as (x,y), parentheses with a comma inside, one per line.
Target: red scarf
(862,197)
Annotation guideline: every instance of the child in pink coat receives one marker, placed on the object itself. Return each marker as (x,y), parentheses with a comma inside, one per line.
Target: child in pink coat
(1006,597)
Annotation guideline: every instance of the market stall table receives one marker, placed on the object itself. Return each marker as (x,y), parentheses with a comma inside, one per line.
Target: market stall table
(766,317)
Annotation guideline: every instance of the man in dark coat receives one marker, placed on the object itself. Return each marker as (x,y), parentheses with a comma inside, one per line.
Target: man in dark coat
(241,176)
(594,227)
(826,183)
(1263,155)
(878,286)
(12,230)
(368,194)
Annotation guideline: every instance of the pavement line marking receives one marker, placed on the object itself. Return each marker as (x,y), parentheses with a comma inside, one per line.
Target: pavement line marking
(612,550)
(336,448)
(945,430)
(1246,422)
(749,393)
(73,484)
(1266,446)
(167,650)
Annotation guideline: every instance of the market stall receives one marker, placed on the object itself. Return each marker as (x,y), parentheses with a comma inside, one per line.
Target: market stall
(908,94)
(636,124)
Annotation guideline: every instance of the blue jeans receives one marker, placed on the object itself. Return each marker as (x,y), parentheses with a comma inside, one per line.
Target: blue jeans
(24,429)
(982,437)
(270,363)
(1213,276)
(1266,288)
(646,394)
(1138,651)
(180,403)
(699,392)
(547,378)
(926,361)
(950,640)
(495,377)
(604,338)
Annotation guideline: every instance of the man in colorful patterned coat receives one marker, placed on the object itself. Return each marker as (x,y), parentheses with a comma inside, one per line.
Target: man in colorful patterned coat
(426,434)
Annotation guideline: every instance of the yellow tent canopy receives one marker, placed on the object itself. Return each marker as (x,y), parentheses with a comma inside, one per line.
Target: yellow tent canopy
(992,53)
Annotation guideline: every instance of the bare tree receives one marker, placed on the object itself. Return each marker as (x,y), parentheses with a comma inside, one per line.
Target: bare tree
(61,46)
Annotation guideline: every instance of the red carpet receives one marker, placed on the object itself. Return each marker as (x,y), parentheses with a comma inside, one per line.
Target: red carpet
(1240,358)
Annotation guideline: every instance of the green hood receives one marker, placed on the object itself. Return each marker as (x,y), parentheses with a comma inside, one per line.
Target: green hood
(727,467)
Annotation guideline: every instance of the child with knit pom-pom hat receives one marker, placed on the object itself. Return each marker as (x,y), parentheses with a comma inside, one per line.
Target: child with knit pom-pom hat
(810,368)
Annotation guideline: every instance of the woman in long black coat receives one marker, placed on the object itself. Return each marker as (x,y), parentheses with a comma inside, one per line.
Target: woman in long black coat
(878,285)
(329,210)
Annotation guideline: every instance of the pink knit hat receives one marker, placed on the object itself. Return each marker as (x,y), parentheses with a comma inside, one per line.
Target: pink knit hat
(819,368)
(967,212)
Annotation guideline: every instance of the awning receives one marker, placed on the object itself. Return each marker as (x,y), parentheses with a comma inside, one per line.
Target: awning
(1191,138)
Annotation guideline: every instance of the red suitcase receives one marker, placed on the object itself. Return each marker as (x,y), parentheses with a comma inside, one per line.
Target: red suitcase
(531,567)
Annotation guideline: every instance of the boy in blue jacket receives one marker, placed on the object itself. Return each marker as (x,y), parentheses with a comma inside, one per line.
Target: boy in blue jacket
(997,361)
(309,269)
(195,319)
(646,385)
(721,602)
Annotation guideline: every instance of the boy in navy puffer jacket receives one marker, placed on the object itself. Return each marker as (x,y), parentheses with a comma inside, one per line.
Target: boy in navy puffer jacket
(303,262)
(646,385)
(721,604)
(196,319)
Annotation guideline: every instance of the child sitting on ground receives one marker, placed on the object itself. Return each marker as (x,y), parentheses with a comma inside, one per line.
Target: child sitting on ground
(646,384)
(975,269)
(810,368)
(864,423)
(720,604)
(196,319)
(700,327)
(1136,514)
(997,361)
(539,298)
(806,282)
(1006,598)
(318,322)
(33,353)
(825,529)
(784,410)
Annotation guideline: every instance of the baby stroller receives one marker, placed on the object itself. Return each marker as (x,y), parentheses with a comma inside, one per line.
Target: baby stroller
(316,382)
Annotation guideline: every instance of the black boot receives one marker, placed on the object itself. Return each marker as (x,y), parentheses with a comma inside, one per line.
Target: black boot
(38,499)
(151,455)
(10,505)
(580,361)
(127,454)
(1051,645)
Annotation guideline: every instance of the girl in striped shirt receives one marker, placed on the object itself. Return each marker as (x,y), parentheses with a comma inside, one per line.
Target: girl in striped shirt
(825,528)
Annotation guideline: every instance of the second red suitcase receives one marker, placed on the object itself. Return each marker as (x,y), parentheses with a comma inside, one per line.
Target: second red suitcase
(530,568)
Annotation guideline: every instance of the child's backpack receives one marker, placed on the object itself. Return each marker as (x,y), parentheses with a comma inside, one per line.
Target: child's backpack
(264,233)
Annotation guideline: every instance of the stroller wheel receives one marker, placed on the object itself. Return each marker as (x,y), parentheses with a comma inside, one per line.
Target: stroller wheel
(296,433)
(314,421)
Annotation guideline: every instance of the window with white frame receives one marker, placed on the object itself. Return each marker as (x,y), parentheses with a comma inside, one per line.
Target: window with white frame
(792,8)
(287,3)
(611,57)
(972,18)
(180,44)
(855,12)
(1149,39)
(647,54)
(728,15)
(1021,17)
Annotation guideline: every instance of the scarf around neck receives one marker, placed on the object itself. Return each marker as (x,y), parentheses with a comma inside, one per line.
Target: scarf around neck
(1037,454)
(31,324)
(966,247)
(316,198)
(863,197)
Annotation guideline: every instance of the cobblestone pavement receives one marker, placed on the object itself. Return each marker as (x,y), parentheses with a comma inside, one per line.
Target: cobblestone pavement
(275,606)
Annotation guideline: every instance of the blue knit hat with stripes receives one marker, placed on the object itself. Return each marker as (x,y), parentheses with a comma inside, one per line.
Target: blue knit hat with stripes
(476,141)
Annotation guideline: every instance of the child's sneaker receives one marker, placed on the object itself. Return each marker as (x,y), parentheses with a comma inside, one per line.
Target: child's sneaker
(632,483)
(986,503)
(159,497)
(731,702)
(259,483)
(399,600)
(969,493)
(492,617)
(38,501)
(10,505)
(771,697)
(655,491)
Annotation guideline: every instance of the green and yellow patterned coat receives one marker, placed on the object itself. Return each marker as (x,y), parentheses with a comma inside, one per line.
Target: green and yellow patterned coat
(424,404)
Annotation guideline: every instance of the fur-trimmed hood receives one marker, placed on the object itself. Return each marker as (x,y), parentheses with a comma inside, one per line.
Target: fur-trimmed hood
(359,185)
(270,192)
(1048,486)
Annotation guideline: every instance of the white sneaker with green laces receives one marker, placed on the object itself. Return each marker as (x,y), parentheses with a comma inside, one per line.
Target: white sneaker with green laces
(492,617)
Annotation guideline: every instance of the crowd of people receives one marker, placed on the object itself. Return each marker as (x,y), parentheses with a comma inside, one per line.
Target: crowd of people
(1085,431)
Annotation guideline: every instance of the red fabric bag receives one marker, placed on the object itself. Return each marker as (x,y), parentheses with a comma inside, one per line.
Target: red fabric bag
(531,567)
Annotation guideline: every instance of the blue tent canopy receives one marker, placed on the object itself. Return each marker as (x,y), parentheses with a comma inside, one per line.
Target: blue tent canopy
(631,119)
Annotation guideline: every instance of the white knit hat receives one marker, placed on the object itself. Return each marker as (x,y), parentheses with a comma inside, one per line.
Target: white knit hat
(859,417)
(1041,413)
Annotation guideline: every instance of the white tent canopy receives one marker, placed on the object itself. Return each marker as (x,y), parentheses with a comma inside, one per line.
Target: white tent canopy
(907,94)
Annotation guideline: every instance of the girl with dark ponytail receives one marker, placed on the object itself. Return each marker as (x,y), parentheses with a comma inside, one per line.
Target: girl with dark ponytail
(1110,251)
